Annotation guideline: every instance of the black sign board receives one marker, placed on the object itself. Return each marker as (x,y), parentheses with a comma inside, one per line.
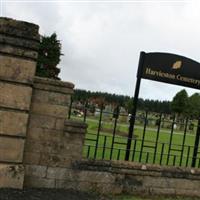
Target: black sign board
(167,68)
(171,68)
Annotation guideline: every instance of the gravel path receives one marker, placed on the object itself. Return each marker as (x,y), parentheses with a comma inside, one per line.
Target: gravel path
(46,194)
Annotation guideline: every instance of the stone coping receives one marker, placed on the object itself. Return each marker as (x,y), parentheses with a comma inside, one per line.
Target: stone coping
(20,29)
(53,82)
(126,167)
(19,42)
(78,124)
(53,85)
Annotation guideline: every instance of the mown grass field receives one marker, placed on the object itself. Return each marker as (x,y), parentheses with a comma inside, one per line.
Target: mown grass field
(180,146)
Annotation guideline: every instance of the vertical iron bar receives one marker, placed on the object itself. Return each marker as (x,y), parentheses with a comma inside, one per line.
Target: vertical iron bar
(199,163)
(113,137)
(143,136)
(134,150)
(161,155)
(104,146)
(70,108)
(183,143)
(170,141)
(85,111)
(135,100)
(157,137)
(88,152)
(98,132)
(188,156)
(196,145)
(174,160)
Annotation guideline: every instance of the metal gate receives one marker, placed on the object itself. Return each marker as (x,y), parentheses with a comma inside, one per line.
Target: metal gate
(158,138)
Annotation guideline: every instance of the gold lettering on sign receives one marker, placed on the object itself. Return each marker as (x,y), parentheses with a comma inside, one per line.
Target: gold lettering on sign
(188,80)
(161,74)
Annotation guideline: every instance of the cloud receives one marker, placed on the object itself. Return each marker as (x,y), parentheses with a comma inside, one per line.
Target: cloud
(102,41)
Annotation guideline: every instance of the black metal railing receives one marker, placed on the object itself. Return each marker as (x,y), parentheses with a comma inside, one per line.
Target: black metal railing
(157,138)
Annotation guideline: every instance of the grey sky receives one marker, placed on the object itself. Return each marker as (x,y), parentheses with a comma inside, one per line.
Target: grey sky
(102,40)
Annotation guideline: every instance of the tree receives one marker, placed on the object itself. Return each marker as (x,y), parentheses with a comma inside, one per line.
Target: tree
(180,103)
(194,105)
(49,57)
(129,105)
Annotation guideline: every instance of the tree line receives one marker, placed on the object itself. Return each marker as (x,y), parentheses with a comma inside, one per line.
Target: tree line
(182,104)
(121,100)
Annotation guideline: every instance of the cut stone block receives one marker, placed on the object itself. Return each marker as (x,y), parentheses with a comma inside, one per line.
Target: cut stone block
(11,149)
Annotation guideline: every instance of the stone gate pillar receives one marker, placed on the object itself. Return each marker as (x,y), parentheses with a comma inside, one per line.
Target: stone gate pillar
(18,53)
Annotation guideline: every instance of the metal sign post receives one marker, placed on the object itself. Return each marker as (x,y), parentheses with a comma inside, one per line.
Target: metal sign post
(135,100)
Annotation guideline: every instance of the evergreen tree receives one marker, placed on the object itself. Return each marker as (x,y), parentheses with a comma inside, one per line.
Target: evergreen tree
(180,103)
(49,57)
(194,105)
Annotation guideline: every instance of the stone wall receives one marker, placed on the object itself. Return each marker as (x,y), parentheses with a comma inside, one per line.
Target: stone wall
(116,178)
(35,136)
(52,141)
(122,177)
(53,154)
(18,53)
(49,109)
